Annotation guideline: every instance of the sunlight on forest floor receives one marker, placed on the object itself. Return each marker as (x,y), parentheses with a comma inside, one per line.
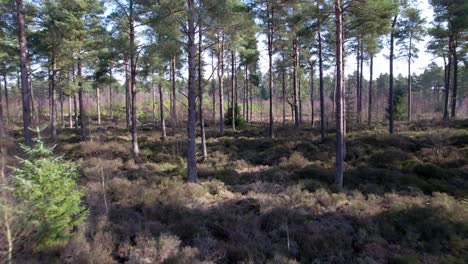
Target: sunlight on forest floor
(261,200)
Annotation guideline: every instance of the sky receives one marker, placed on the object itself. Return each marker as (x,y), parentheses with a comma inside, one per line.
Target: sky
(381,63)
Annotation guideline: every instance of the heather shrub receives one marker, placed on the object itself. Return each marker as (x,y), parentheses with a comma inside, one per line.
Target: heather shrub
(295,162)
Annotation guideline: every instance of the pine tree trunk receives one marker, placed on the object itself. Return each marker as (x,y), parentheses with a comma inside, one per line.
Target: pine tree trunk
(134,125)
(2,122)
(70,115)
(312,114)
(358,75)
(98,103)
(7,103)
(247,97)
(75,108)
(81,99)
(409,79)
(361,84)
(455,78)
(270,64)
(174,91)
(161,112)
(447,82)
(25,92)
(338,95)
(127,94)
(62,117)
(221,81)
(233,106)
(321,89)
(191,129)
(371,72)
(295,81)
(200,89)
(111,109)
(153,101)
(391,105)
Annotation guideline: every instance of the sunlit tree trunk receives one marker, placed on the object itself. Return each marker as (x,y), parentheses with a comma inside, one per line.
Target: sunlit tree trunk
(338,95)
(25,93)
(191,133)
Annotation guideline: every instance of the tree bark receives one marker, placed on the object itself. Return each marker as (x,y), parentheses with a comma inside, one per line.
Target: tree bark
(70,115)
(98,103)
(221,81)
(233,76)
(174,91)
(25,93)
(321,88)
(127,94)
(447,82)
(270,64)
(161,113)
(135,149)
(409,79)
(391,92)
(7,103)
(111,109)
(191,127)
(312,113)
(455,77)
(200,89)
(338,95)
(295,81)
(371,71)
(81,99)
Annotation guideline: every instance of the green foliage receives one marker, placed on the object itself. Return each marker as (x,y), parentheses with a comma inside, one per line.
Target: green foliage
(240,122)
(399,106)
(47,186)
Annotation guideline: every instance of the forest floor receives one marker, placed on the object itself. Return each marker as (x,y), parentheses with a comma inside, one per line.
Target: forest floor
(260,200)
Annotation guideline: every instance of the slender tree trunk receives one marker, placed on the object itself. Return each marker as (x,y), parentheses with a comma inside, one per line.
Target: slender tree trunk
(251,100)
(127,93)
(75,108)
(361,84)
(244,98)
(25,93)
(2,122)
(174,91)
(447,82)
(161,112)
(7,103)
(455,78)
(321,89)
(191,127)
(62,117)
(299,93)
(221,81)
(295,82)
(70,115)
(338,94)
(391,105)
(111,109)
(98,101)
(358,78)
(81,99)
(135,149)
(270,63)
(153,100)
(200,88)
(247,98)
(409,106)
(371,70)
(312,113)
(233,106)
